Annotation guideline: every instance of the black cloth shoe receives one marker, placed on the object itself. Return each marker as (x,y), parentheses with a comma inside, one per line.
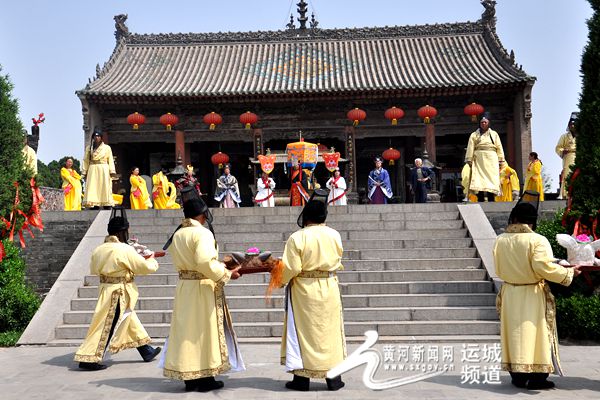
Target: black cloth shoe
(519,383)
(191,385)
(335,383)
(148,352)
(91,366)
(207,384)
(539,385)
(299,383)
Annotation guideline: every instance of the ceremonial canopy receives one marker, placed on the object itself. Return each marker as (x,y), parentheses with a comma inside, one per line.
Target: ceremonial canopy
(306,79)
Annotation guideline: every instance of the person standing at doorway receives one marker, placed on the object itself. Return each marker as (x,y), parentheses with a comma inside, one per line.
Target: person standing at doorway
(228,191)
(380,187)
(337,189)
(264,196)
(420,179)
(98,167)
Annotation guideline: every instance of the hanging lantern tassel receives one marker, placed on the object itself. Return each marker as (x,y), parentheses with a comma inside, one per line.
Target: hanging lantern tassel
(473,118)
(391,162)
(394,121)
(248,126)
(427,120)
(355,123)
(211,127)
(168,127)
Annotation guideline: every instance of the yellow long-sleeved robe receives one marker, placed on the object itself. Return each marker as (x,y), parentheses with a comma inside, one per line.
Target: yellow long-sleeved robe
(484,151)
(30,159)
(465,178)
(533,179)
(97,168)
(115,260)
(566,143)
(71,186)
(509,183)
(313,339)
(201,341)
(160,188)
(139,198)
(527,310)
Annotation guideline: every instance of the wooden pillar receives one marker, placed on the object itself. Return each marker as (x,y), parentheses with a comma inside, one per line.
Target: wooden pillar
(188,155)
(180,145)
(351,157)
(430,142)
(511,150)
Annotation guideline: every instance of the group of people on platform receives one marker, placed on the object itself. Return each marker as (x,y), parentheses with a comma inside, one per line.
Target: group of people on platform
(486,176)
(202,342)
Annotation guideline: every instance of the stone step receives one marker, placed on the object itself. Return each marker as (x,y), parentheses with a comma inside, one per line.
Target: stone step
(288,227)
(387,265)
(431,235)
(374,300)
(367,244)
(248,289)
(375,254)
(274,329)
(136,221)
(344,276)
(488,313)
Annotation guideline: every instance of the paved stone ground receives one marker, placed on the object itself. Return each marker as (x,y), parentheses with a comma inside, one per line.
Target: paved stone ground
(49,373)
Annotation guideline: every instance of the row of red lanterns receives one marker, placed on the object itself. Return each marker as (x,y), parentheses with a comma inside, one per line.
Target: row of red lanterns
(426,113)
(211,119)
(356,115)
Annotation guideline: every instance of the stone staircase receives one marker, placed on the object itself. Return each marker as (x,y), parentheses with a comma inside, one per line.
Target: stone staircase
(411,271)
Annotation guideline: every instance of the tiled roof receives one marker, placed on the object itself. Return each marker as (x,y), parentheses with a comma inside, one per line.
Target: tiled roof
(309,62)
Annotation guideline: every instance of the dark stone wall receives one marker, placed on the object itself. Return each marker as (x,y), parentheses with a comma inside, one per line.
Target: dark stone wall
(50,250)
(497,213)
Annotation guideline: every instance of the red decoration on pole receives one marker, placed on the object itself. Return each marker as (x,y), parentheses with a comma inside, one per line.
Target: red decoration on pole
(39,119)
(248,119)
(136,119)
(356,116)
(218,159)
(331,160)
(426,113)
(212,119)
(473,110)
(391,155)
(394,114)
(168,120)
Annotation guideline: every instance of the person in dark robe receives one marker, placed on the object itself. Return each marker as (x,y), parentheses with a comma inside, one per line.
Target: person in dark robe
(420,179)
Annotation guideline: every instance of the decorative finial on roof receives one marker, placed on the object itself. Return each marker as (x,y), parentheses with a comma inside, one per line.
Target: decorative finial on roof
(121,30)
(488,16)
(302,10)
(98,71)
(291,25)
(313,21)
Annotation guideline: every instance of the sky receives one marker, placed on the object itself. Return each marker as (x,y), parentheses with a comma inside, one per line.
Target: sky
(49,49)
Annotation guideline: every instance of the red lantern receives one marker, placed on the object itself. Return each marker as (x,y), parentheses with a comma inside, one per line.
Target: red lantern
(356,116)
(426,113)
(248,118)
(391,155)
(394,114)
(168,120)
(218,159)
(474,110)
(136,119)
(212,119)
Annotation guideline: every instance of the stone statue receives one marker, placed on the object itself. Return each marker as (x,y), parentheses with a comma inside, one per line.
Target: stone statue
(121,30)
(489,14)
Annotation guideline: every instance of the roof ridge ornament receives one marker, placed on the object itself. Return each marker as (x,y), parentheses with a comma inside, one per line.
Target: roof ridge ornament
(121,29)
(291,24)
(488,17)
(302,10)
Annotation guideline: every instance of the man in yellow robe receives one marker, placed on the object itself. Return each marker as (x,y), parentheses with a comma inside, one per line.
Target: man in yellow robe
(115,325)
(202,343)
(484,152)
(534,181)
(164,193)
(509,183)
(313,339)
(139,198)
(98,167)
(30,157)
(524,261)
(71,186)
(566,148)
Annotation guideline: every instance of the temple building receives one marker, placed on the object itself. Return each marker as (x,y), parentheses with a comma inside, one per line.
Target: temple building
(306,78)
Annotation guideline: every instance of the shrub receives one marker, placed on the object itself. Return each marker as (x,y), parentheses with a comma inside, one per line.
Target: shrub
(18,300)
(550,228)
(10,338)
(578,317)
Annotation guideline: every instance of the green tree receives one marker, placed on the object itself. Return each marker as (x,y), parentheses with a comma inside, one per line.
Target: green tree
(11,156)
(49,175)
(586,198)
